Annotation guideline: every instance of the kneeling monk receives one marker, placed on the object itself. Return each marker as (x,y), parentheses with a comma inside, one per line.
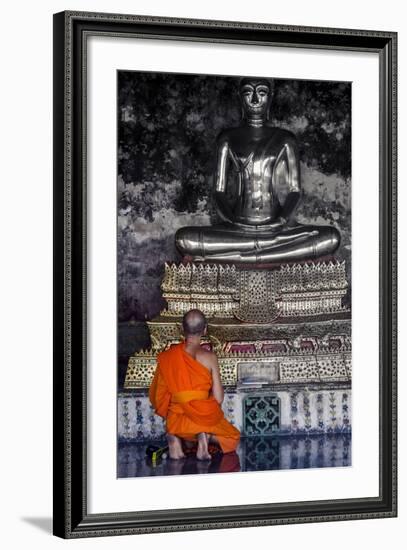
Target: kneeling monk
(188,393)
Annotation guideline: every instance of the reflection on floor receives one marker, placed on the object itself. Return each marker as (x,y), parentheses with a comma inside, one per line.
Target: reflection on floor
(253,454)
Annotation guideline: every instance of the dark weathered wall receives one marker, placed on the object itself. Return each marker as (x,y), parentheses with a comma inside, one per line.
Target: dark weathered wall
(167,129)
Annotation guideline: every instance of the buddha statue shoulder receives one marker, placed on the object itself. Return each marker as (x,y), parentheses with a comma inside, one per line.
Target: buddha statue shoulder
(257,188)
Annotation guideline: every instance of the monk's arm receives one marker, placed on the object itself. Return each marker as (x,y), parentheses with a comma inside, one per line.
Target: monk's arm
(217,388)
(159,395)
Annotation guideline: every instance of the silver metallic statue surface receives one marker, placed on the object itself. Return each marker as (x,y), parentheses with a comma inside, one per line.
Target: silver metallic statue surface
(257,205)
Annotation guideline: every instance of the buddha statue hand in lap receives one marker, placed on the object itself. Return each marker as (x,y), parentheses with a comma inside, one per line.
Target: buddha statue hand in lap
(257,201)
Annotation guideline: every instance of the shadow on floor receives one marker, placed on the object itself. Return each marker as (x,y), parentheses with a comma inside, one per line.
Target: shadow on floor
(44,524)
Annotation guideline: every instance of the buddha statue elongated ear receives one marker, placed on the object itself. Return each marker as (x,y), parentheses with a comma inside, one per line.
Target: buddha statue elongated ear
(241,109)
(240,100)
(272,87)
(271,95)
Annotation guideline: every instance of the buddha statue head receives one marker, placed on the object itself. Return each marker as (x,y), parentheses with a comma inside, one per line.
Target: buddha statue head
(255,96)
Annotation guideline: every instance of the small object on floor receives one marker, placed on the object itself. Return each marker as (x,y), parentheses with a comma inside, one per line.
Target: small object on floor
(213,450)
(155,453)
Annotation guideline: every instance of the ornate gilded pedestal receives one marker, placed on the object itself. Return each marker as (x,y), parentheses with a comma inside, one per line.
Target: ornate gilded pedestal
(282,337)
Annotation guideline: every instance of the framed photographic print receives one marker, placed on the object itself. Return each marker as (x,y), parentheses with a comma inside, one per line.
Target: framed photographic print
(225,274)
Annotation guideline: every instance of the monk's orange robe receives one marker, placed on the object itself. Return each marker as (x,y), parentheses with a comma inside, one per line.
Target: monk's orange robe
(180,393)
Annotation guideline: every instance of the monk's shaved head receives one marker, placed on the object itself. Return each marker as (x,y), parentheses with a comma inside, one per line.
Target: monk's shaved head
(194,323)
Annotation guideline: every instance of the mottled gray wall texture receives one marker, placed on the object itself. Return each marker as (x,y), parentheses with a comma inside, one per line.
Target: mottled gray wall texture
(167,127)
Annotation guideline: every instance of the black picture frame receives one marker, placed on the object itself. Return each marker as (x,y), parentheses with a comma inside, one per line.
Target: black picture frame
(71,518)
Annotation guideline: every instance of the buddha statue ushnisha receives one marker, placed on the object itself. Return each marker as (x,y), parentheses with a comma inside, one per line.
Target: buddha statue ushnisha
(257,202)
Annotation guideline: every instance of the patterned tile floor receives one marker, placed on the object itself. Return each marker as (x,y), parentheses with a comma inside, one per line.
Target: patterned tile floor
(253,454)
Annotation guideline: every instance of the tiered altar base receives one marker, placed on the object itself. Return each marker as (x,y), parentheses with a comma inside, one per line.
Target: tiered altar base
(283,341)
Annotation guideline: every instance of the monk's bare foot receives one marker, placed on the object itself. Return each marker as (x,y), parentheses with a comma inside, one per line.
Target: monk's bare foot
(202,453)
(175,447)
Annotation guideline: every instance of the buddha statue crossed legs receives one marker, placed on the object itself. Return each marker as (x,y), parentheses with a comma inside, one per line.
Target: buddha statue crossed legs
(257,205)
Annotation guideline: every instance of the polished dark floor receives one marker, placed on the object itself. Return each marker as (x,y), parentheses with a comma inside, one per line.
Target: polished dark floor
(253,454)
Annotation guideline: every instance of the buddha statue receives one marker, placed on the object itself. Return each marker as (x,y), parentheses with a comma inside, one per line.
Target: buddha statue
(257,188)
